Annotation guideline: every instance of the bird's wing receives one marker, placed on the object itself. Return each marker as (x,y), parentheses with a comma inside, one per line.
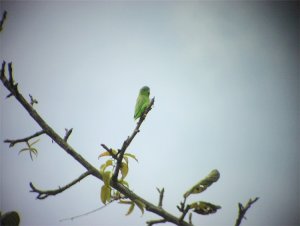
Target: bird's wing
(138,106)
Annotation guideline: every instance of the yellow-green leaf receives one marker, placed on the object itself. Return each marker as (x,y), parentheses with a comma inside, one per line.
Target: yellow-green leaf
(116,194)
(105,165)
(107,177)
(106,153)
(105,194)
(34,142)
(126,159)
(204,208)
(131,156)
(124,170)
(125,183)
(131,208)
(125,202)
(140,205)
(203,184)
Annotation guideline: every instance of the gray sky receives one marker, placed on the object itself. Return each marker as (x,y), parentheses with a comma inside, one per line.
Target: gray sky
(225,76)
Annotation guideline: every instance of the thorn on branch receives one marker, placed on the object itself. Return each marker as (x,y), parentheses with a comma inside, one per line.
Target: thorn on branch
(68,133)
(243,210)
(32,100)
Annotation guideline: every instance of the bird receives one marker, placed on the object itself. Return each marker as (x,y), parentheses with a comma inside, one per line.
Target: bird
(142,102)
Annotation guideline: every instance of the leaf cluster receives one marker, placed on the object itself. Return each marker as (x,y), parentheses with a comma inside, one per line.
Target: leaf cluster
(32,150)
(108,194)
(200,207)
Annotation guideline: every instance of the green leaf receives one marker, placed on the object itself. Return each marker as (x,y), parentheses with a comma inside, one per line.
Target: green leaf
(125,183)
(131,208)
(105,193)
(131,156)
(116,194)
(106,153)
(203,184)
(140,205)
(131,203)
(125,202)
(204,208)
(34,142)
(105,165)
(126,159)
(31,151)
(124,170)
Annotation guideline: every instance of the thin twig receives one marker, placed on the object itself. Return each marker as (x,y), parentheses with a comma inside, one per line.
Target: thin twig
(87,213)
(110,151)
(161,196)
(243,210)
(185,211)
(44,194)
(26,139)
(183,208)
(127,142)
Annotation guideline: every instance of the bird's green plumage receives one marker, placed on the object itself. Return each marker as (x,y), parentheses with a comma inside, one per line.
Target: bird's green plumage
(142,102)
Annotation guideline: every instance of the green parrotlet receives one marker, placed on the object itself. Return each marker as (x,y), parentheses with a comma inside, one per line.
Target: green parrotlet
(142,102)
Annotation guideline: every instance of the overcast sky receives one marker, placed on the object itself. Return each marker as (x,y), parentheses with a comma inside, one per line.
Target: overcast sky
(225,76)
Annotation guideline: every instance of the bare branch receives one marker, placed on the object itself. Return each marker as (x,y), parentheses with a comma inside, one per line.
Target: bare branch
(26,139)
(45,127)
(2,20)
(243,210)
(127,142)
(44,194)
